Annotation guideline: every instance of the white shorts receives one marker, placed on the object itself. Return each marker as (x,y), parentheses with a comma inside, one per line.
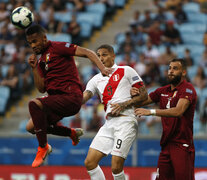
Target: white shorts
(116,136)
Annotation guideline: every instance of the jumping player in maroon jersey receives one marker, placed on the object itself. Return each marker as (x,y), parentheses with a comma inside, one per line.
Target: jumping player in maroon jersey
(177,103)
(55,73)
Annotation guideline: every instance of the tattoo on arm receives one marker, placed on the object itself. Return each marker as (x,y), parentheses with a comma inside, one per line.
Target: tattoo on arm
(86,96)
(136,99)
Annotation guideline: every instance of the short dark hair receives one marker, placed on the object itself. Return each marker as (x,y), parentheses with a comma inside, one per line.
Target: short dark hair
(35,29)
(106,46)
(182,62)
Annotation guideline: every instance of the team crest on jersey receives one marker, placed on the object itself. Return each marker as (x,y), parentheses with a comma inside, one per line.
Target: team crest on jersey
(116,77)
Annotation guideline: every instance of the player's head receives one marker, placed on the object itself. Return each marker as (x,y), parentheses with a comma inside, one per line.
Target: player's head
(177,71)
(106,54)
(36,37)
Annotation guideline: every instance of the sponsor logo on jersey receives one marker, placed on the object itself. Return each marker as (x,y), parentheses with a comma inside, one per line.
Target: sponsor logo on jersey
(166,95)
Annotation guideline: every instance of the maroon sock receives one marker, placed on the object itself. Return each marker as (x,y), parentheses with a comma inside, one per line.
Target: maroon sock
(40,123)
(59,130)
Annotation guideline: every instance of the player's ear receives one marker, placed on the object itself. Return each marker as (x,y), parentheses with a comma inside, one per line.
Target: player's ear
(184,72)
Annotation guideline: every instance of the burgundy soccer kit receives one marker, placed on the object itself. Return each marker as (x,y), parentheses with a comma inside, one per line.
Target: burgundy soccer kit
(176,160)
(61,81)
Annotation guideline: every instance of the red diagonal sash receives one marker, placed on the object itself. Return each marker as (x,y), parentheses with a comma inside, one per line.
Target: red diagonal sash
(112,86)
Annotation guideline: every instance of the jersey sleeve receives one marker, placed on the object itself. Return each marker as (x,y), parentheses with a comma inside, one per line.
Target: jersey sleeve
(188,93)
(64,48)
(134,79)
(155,95)
(91,86)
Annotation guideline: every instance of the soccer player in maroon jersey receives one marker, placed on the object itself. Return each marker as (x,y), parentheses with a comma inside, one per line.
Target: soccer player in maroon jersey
(55,73)
(177,103)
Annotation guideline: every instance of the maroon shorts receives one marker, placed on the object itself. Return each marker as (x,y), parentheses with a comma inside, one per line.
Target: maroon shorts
(61,105)
(176,162)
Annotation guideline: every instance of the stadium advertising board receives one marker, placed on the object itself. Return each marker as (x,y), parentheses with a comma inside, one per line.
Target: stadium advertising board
(78,173)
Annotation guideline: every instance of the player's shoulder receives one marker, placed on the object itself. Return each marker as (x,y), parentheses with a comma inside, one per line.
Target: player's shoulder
(124,67)
(163,88)
(188,87)
(96,77)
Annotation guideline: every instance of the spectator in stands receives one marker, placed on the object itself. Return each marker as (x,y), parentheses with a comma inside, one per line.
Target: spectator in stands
(45,12)
(205,38)
(152,75)
(79,5)
(135,20)
(59,5)
(128,61)
(4,13)
(180,15)
(167,56)
(24,71)
(160,16)
(203,116)
(200,79)
(140,66)
(155,33)
(148,21)
(128,41)
(5,57)
(151,53)
(5,35)
(188,58)
(11,80)
(74,30)
(203,61)
(171,34)
(137,35)
(172,4)
(54,26)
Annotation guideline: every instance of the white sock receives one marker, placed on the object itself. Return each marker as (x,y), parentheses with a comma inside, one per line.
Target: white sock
(120,176)
(96,174)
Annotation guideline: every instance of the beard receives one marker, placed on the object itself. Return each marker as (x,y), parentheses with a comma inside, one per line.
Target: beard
(176,80)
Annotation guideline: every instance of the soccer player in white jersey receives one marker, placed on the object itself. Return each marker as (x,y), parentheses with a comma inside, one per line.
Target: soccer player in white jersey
(120,129)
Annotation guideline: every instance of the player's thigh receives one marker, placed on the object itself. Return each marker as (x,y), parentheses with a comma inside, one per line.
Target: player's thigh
(104,140)
(164,167)
(93,157)
(125,132)
(63,104)
(183,163)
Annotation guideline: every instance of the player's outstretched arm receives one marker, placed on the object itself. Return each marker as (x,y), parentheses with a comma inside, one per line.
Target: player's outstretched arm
(83,52)
(39,81)
(119,107)
(177,111)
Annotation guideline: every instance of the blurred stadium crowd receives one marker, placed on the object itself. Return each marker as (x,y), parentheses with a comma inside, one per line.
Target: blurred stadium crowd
(169,29)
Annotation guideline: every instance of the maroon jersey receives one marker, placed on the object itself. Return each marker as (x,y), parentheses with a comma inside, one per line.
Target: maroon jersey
(58,68)
(176,129)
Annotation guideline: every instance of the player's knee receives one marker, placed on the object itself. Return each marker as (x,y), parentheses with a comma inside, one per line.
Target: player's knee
(35,104)
(30,129)
(90,164)
(116,168)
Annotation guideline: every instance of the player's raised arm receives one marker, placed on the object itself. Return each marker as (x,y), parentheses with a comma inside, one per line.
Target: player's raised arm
(84,52)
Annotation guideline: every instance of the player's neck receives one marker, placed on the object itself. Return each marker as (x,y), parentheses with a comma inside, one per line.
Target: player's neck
(173,86)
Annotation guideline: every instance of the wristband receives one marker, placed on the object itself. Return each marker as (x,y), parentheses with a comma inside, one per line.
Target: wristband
(153,112)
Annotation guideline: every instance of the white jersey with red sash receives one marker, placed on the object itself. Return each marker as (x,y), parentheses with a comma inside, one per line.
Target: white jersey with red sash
(116,87)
